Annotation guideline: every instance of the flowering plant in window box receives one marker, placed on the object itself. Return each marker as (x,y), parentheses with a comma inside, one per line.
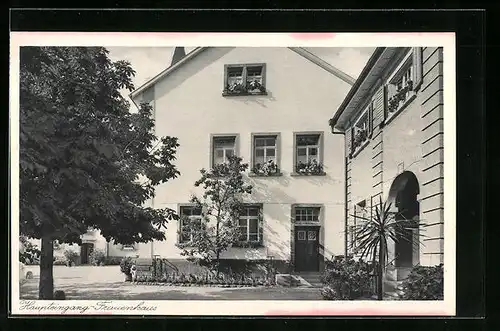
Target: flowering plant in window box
(255,87)
(400,95)
(359,138)
(268,168)
(248,244)
(237,88)
(312,167)
(252,87)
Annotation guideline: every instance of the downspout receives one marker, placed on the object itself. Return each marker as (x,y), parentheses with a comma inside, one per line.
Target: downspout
(345,191)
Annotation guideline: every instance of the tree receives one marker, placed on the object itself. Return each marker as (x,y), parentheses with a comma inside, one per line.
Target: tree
(28,252)
(220,208)
(86,161)
(373,234)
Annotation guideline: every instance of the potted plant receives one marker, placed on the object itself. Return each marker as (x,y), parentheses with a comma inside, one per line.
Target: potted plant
(126,268)
(255,87)
(268,168)
(312,167)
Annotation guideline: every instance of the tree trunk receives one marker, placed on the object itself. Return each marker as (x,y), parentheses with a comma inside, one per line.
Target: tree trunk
(46,284)
(380,272)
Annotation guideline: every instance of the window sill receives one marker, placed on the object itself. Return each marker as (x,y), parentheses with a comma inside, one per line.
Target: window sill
(228,94)
(298,174)
(252,174)
(395,113)
(360,148)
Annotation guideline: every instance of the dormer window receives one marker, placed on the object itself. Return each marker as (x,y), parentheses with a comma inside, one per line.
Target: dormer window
(244,79)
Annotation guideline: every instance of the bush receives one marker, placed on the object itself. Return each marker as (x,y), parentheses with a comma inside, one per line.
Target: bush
(29,254)
(71,257)
(347,279)
(97,257)
(112,260)
(125,265)
(423,283)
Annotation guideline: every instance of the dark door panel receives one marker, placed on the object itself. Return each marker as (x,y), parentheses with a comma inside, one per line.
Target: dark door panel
(306,248)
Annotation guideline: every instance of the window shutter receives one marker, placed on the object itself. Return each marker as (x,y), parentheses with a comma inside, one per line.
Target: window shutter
(385,98)
(370,119)
(351,138)
(417,68)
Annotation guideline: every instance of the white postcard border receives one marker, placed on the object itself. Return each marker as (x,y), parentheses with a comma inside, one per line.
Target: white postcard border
(230,307)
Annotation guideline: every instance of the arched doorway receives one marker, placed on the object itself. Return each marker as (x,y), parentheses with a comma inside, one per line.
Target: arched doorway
(403,196)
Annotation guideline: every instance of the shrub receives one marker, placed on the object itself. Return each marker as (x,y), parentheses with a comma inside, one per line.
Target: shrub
(423,283)
(347,279)
(125,265)
(112,260)
(29,254)
(97,257)
(71,257)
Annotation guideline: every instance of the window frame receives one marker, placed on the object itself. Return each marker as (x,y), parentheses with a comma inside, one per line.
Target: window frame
(368,111)
(321,156)
(318,206)
(180,223)
(244,78)
(215,136)
(131,247)
(407,62)
(277,137)
(260,226)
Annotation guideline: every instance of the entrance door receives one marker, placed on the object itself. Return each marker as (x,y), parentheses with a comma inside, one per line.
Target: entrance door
(85,251)
(306,248)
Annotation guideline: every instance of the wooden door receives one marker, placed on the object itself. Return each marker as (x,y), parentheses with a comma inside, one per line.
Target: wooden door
(306,248)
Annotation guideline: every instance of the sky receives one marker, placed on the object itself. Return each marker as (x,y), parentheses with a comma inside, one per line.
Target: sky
(149,61)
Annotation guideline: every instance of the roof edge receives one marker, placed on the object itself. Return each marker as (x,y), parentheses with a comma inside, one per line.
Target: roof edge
(362,76)
(299,50)
(323,64)
(169,69)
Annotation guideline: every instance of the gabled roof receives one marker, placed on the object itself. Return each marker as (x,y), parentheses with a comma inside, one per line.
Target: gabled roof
(299,50)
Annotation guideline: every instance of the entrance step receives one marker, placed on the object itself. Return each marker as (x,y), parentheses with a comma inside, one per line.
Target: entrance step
(313,278)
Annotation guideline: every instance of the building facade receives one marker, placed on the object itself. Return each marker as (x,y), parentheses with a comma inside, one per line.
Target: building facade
(393,124)
(262,104)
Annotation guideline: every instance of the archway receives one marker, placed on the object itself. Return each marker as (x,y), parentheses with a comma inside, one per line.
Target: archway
(403,196)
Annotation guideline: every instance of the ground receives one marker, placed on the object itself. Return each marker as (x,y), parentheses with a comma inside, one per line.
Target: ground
(97,283)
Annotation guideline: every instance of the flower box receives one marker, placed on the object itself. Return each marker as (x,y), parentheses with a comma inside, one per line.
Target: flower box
(251,88)
(312,167)
(270,168)
(400,96)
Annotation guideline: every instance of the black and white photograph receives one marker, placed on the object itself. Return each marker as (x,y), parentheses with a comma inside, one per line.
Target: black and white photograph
(278,172)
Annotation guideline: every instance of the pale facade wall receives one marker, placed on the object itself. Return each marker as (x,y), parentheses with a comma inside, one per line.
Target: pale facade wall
(410,141)
(189,105)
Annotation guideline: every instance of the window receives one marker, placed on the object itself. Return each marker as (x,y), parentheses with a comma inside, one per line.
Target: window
(249,225)
(308,154)
(190,221)
(307,214)
(223,148)
(244,79)
(400,88)
(265,155)
(362,129)
(128,247)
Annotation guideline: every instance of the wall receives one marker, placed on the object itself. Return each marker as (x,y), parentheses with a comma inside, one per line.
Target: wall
(189,105)
(432,171)
(411,141)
